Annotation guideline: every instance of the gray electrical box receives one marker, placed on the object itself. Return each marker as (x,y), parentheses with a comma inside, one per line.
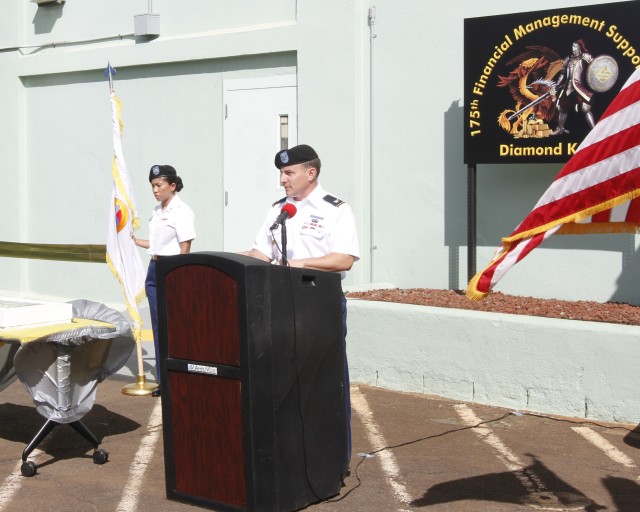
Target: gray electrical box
(146,24)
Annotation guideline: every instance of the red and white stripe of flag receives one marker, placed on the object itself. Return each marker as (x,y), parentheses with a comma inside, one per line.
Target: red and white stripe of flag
(595,192)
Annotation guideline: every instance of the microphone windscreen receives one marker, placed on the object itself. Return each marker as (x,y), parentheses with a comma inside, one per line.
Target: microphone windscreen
(290,209)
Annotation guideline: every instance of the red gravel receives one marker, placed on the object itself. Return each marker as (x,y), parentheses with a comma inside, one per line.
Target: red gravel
(610,312)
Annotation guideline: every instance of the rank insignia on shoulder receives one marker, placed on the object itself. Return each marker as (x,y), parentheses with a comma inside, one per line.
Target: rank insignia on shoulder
(280,201)
(333,200)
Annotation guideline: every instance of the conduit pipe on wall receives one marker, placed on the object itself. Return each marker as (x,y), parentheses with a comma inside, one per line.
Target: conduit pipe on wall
(372,36)
(55,44)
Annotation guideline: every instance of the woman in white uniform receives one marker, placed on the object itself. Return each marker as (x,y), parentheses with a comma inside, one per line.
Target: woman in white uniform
(171,231)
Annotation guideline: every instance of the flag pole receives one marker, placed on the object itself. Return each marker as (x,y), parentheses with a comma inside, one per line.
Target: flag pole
(141,387)
(471,221)
(129,222)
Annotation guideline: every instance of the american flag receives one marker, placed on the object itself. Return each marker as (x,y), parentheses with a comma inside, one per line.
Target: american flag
(595,192)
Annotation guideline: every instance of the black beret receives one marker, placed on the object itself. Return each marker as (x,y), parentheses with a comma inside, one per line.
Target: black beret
(161,170)
(295,155)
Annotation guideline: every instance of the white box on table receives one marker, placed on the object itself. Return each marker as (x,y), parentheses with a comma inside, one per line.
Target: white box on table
(17,312)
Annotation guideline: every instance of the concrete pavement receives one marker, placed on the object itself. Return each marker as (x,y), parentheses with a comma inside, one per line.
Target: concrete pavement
(410,452)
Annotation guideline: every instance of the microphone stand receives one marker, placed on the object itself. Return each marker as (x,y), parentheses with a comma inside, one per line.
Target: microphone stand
(283,242)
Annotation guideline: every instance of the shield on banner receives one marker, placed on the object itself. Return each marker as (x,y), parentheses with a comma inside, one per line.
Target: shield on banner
(602,73)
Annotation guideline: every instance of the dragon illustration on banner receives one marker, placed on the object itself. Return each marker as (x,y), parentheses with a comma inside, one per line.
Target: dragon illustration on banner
(546,87)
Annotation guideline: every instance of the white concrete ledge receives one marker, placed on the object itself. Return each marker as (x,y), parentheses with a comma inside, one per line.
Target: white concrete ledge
(565,367)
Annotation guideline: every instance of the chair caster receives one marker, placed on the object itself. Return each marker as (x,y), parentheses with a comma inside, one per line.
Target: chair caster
(28,468)
(100,456)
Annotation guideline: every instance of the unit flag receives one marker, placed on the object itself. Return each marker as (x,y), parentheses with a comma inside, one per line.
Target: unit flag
(122,255)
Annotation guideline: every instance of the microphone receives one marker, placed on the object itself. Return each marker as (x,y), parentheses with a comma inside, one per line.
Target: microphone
(288,211)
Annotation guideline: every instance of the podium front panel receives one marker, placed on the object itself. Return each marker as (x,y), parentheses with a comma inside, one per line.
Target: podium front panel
(203,309)
(206,421)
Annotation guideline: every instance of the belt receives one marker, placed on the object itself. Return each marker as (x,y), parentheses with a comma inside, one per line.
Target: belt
(156,257)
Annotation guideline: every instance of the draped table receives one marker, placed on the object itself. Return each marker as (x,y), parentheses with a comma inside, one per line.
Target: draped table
(61,365)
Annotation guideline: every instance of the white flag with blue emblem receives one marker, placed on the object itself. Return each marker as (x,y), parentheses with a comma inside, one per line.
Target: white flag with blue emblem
(122,255)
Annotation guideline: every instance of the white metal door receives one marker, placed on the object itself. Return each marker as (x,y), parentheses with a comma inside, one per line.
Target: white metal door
(260,117)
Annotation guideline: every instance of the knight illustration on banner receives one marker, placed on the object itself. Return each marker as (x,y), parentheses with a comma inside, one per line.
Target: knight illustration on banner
(547,87)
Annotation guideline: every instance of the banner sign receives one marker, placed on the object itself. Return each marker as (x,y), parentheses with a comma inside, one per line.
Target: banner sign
(537,82)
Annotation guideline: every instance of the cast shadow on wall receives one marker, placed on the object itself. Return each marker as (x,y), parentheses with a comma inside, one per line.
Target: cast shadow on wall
(46,17)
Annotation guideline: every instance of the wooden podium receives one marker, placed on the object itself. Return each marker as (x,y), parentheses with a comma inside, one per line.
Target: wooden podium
(253,398)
